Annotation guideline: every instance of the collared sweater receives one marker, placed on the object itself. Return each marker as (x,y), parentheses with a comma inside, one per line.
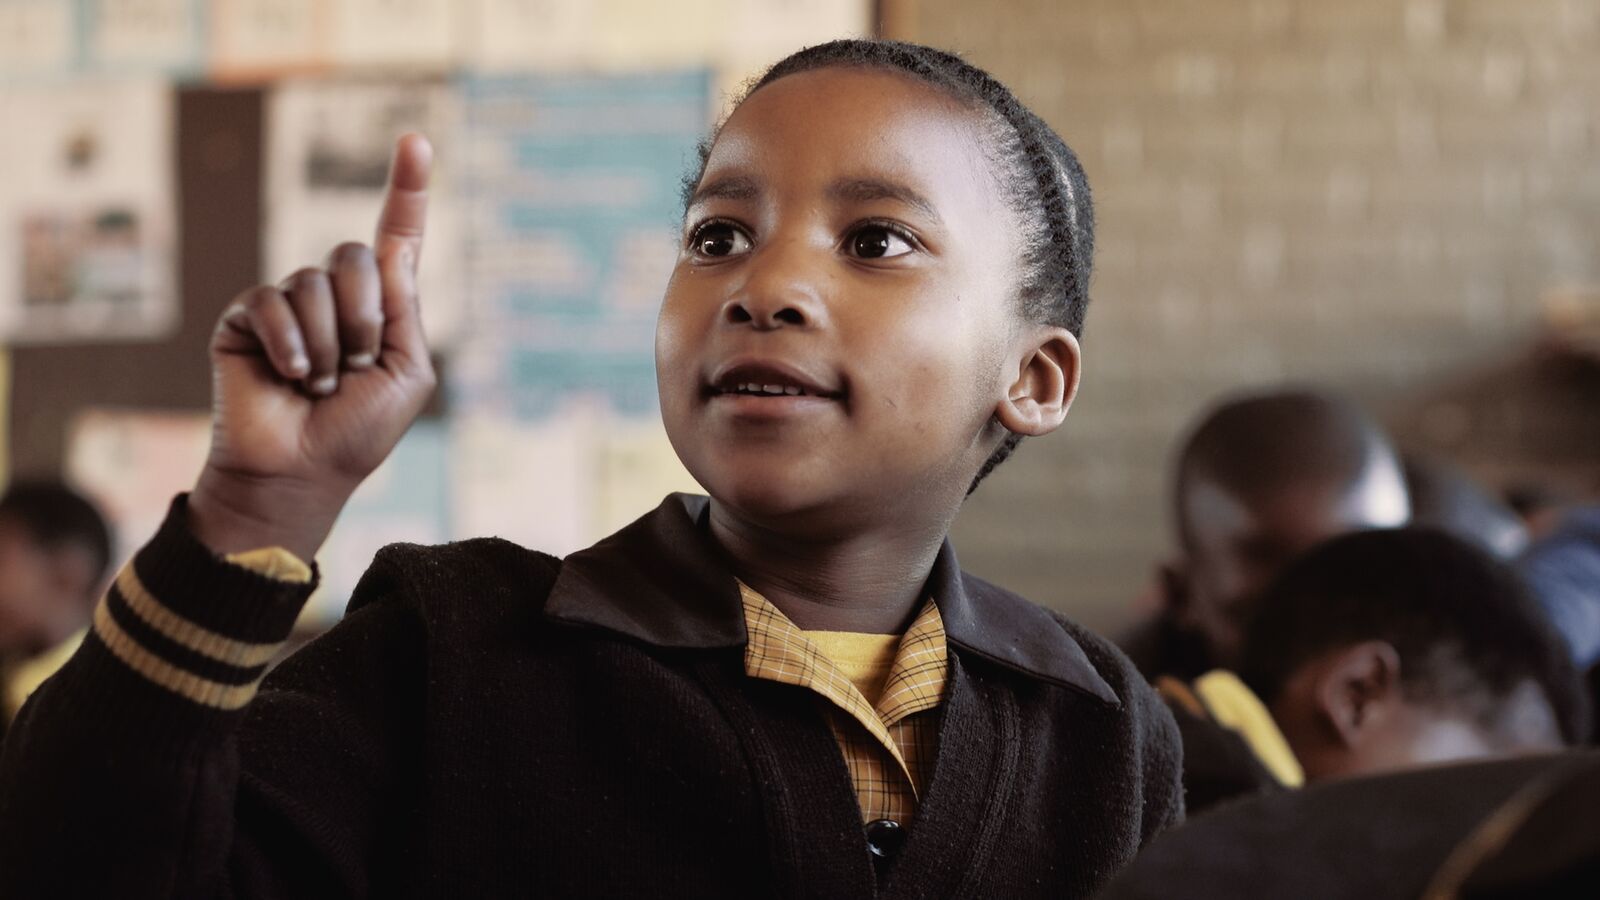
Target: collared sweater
(487,721)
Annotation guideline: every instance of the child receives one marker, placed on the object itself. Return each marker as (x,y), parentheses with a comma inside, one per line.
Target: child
(789,689)
(1261,480)
(1384,650)
(54,553)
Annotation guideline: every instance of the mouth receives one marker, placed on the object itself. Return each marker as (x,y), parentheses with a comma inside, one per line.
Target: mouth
(770,380)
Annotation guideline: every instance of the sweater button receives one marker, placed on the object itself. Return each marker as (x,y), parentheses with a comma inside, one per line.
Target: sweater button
(884,837)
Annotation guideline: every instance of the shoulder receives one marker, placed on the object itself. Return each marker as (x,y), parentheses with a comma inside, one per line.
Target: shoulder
(479,573)
(1047,644)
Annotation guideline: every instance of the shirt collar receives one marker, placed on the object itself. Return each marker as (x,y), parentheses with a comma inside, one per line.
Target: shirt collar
(663,581)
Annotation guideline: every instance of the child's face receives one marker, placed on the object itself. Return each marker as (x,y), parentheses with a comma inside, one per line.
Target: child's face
(848,241)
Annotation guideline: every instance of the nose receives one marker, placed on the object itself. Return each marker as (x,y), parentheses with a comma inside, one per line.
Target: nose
(781,288)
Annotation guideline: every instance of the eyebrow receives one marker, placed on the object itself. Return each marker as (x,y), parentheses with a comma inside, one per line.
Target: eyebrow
(850,190)
(737,187)
(865,190)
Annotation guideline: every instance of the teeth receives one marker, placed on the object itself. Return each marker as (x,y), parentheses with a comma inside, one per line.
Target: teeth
(768,390)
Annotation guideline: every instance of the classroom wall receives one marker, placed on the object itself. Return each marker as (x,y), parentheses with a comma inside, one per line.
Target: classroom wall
(1371,194)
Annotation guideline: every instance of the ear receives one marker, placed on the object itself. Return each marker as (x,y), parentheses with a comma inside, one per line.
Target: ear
(1047,381)
(1357,689)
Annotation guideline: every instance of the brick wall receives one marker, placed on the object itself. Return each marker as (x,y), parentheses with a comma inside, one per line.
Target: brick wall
(1370,194)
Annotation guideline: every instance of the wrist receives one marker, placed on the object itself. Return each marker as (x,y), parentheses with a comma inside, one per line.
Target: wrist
(231,513)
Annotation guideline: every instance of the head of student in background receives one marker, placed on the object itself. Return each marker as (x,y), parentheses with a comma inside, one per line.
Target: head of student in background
(1445,497)
(1261,480)
(1403,647)
(54,552)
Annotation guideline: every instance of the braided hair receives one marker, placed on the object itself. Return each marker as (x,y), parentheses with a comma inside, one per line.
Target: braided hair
(1041,178)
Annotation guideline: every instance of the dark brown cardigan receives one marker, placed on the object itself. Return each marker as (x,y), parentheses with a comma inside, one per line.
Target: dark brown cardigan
(492,722)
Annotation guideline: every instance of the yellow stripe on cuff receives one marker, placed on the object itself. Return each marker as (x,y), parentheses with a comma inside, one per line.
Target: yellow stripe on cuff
(201,640)
(185,684)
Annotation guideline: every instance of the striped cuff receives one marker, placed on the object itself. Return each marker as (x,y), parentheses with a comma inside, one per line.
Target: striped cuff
(194,624)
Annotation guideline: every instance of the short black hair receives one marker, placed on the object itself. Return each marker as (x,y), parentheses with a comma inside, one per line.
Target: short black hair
(1263,441)
(1467,631)
(56,516)
(1040,176)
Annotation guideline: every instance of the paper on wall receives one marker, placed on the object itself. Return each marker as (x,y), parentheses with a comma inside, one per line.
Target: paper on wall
(132,463)
(87,218)
(405,500)
(391,33)
(262,39)
(37,37)
(329,144)
(531,483)
(637,467)
(761,32)
(572,206)
(142,35)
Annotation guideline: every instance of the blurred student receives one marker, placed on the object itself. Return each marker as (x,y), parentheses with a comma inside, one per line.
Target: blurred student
(1377,651)
(1445,497)
(1262,479)
(54,551)
(1563,571)
(1502,829)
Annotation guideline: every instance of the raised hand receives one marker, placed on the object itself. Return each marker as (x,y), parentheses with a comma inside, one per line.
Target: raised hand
(315,379)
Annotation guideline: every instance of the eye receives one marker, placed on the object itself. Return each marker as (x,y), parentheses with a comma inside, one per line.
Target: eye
(718,240)
(878,241)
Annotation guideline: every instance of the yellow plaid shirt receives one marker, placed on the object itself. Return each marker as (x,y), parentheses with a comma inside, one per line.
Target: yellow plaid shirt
(889,745)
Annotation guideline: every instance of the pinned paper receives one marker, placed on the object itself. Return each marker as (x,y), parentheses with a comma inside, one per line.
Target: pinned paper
(143,35)
(327,167)
(87,218)
(254,40)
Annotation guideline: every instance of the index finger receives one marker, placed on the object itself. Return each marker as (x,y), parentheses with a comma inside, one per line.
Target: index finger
(405,203)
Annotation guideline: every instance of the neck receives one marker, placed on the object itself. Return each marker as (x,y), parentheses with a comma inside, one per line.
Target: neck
(867,581)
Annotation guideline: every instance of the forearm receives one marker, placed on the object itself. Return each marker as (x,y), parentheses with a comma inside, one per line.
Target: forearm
(119,777)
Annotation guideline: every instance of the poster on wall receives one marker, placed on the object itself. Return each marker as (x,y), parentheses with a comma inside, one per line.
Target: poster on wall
(87,219)
(571,192)
(738,37)
(257,40)
(416,34)
(132,463)
(129,36)
(38,38)
(329,142)
(405,500)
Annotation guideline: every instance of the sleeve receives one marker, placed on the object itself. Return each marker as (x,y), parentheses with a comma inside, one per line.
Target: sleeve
(156,763)
(1162,758)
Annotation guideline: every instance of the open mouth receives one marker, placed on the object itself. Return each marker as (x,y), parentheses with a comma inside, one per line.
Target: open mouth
(767,390)
(768,379)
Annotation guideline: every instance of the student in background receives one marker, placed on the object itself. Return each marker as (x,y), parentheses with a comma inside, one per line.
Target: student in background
(1262,478)
(1377,651)
(54,552)
(1563,571)
(1515,828)
(789,688)
(1445,497)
